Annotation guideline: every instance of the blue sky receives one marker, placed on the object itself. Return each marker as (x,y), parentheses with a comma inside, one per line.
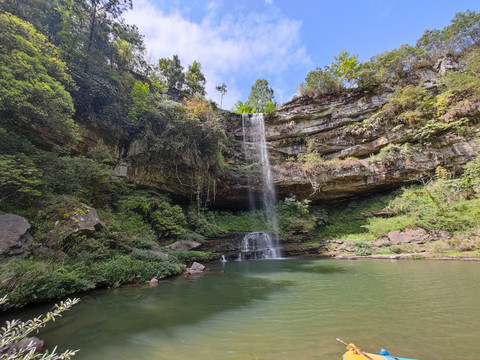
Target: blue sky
(239,41)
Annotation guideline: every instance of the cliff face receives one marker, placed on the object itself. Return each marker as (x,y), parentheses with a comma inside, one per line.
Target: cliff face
(341,161)
(320,149)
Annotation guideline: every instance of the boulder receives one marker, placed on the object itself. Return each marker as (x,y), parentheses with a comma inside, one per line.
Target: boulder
(82,220)
(441,235)
(409,236)
(153,282)
(196,268)
(22,345)
(184,245)
(381,242)
(14,236)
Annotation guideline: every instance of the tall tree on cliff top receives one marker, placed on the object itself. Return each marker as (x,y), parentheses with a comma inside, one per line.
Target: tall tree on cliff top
(172,76)
(261,95)
(109,9)
(223,90)
(102,52)
(195,79)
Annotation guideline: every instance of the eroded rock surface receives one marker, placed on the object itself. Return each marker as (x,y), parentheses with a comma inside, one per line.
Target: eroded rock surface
(14,236)
(81,220)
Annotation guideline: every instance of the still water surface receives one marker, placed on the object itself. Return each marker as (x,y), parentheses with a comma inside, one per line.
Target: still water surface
(284,309)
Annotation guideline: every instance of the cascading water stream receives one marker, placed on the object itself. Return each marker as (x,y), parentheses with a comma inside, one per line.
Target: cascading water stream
(260,245)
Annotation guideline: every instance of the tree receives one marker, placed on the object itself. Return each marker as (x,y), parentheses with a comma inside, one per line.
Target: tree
(346,66)
(461,35)
(223,90)
(195,80)
(260,95)
(243,108)
(321,82)
(172,76)
(33,83)
(19,178)
(111,8)
(140,95)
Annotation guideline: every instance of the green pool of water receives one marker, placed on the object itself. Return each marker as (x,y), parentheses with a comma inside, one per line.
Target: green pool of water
(283,309)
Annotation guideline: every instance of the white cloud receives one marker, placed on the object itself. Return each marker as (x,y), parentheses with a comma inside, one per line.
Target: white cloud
(227,46)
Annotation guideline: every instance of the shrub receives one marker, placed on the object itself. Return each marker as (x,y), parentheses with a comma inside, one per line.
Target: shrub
(363,248)
(189,257)
(28,281)
(167,220)
(16,331)
(124,269)
(295,215)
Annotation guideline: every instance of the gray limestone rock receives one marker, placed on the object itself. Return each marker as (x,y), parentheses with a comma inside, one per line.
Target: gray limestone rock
(14,236)
(196,268)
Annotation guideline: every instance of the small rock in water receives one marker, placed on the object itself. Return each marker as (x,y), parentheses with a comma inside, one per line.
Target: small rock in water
(153,282)
(196,268)
(22,345)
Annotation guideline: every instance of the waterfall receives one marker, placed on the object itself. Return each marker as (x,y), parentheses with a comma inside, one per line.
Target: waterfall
(258,244)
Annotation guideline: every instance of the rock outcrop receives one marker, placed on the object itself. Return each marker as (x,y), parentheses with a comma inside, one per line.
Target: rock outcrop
(195,269)
(184,245)
(22,346)
(14,236)
(81,220)
(336,129)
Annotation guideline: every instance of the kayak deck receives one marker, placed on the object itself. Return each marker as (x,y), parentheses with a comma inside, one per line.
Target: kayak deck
(353,355)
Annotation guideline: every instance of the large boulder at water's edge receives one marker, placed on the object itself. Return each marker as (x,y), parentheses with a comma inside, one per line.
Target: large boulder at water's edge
(14,236)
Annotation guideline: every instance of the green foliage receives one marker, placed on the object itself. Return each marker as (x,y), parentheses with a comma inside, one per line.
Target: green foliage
(123,269)
(183,137)
(294,215)
(471,176)
(19,178)
(347,67)
(180,84)
(243,108)
(195,80)
(261,96)
(80,176)
(461,35)
(16,331)
(33,82)
(140,95)
(170,73)
(321,82)
(392,66)
(363,248)
(188,257)
(469,78)
(26,280)
(407,105)
(223,90)
(167,220)
(101,153)
(217,222)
